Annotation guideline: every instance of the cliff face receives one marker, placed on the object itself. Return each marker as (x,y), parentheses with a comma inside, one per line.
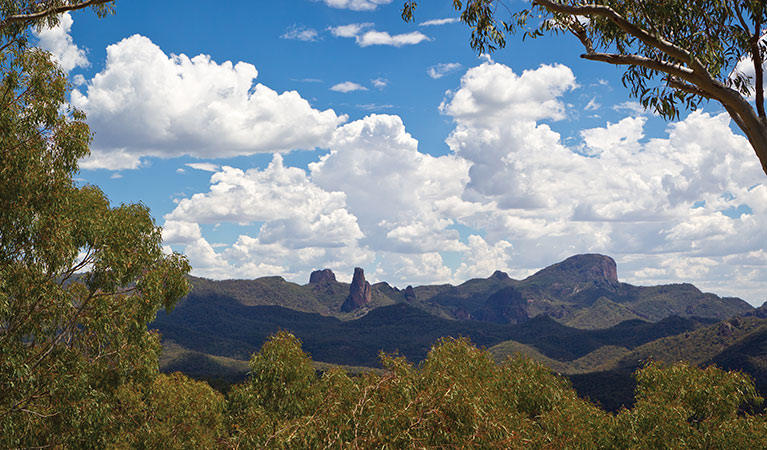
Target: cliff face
(360,292)
(322,276)
(581,269)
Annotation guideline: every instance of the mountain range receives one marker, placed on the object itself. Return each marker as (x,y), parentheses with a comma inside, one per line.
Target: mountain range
(574,316)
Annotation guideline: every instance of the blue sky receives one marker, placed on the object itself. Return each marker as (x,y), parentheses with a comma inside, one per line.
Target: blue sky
(295,135)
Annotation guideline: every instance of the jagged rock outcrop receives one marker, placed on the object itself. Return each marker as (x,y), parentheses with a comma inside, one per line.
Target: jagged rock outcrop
(505,306)
(322,276)
(360,292)
(409,293)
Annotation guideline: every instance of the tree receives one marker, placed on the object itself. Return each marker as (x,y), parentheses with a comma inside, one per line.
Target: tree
(79,279)
(18,16)
(682,406)
(677,53)
(173,412)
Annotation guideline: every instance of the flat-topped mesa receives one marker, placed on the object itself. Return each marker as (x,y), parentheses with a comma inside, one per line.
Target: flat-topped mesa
(322,276)
(596,267)
(360,292)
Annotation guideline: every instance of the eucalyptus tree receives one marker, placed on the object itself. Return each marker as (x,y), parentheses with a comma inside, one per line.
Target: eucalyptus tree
(677,53)
(79,279)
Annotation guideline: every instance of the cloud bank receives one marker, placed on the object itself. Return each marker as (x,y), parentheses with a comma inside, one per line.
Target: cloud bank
(662,207)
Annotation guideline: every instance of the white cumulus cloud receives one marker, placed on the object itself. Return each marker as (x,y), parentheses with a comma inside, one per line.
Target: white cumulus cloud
(402,198)
(379,83)
(349,30)
(148,103)
(58,42)
(205,167)
(617,192)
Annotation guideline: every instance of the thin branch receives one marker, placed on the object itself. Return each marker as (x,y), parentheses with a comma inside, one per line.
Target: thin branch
(40,356)
(8,44)
(675,70)
(40,415)
(580,32)
(72,270)
(25,18)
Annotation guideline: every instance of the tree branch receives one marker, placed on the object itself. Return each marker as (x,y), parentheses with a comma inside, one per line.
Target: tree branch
(756,58)
(580,32)
(735,116)
(23,18)
(675,70)
(676,83)
(758,71)
(661,44)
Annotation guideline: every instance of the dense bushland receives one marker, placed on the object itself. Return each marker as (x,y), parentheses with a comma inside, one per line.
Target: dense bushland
(457,398)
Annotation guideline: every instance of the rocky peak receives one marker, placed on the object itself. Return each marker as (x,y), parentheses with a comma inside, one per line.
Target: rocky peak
(596,267)
(587,268)
(498,275)
(360,292)
(322,276)
(409,293)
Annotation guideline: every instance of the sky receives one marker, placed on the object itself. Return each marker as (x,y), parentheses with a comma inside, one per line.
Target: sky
(277,138)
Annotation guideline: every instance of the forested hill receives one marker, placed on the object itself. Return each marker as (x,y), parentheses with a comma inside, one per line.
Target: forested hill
(575,316)
(582,291)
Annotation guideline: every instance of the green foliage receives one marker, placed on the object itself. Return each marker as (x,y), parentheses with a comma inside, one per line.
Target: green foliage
(280,388)
(696,347)
(460,398)
(20,15)
(79,279)
(173,412)
(685,407)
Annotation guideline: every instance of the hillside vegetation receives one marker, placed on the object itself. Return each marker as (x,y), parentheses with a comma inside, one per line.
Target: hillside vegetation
(575,317)
(458,397)
(582,291)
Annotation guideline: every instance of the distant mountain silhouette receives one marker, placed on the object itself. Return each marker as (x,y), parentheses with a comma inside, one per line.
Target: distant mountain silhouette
(575,316)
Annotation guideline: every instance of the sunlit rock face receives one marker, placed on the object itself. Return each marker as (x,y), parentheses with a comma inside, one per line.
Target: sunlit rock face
(322,276)
(584,269)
